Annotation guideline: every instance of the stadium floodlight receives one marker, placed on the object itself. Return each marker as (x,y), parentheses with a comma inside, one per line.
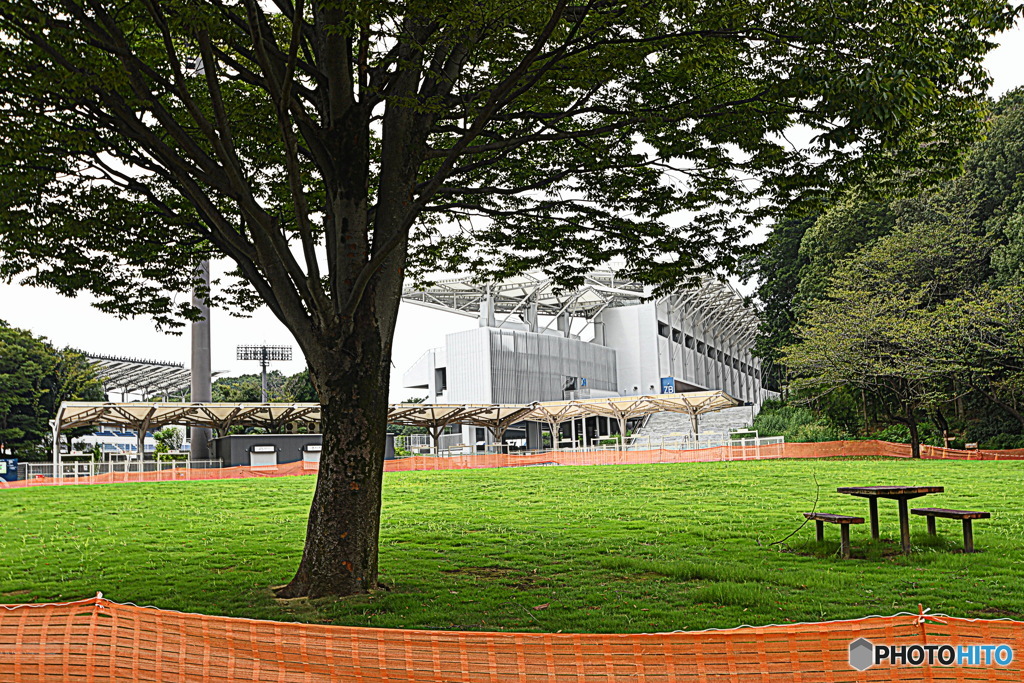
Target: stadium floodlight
(264,353)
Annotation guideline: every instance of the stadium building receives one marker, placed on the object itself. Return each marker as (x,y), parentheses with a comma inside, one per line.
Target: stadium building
(608,337)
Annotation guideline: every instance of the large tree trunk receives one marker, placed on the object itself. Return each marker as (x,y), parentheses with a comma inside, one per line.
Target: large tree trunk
(340,555)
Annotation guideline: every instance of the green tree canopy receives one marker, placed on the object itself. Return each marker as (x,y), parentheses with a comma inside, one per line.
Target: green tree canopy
(35,378)
(891,318)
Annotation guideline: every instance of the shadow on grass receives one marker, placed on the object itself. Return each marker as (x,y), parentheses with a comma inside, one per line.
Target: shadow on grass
(878,550)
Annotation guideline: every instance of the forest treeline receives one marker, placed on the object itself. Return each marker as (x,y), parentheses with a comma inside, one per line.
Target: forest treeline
(901,314)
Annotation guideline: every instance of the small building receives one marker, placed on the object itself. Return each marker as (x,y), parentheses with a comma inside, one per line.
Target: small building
(269,450)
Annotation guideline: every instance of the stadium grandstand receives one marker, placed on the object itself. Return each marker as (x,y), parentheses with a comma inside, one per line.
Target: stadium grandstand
(147,379)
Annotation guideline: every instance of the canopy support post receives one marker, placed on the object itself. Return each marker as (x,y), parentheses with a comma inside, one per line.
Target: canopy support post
(56,446)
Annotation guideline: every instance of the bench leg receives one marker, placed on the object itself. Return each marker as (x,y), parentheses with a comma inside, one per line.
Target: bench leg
(873,509)
(904,526)
(968,537)
(931,525)
(820,530)
(844,543)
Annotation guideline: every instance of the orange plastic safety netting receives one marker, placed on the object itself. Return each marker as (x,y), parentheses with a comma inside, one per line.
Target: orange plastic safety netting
(98,640)
(587,457)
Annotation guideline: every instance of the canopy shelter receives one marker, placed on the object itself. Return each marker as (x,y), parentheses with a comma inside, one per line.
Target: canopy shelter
(624,408)
(143,417)
(436,416)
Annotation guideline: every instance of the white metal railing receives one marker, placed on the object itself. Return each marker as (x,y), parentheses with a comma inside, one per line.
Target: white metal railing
(739,448)
(30,471)
(661,450)
(423,444)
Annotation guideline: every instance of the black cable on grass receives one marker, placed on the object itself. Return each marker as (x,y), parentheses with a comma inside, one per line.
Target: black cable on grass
(814,508)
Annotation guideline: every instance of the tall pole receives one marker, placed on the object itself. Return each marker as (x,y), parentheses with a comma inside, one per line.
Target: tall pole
(202,388)
(263,372)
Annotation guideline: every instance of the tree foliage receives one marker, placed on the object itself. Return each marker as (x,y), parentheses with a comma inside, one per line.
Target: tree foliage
(972,338)
(909,320)
(35,378)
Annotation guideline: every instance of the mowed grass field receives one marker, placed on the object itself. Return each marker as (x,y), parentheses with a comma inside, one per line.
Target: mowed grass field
(583,549)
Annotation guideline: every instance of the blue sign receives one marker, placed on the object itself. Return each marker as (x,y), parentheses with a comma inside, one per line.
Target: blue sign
(583,381)
(668,385)
(9,469)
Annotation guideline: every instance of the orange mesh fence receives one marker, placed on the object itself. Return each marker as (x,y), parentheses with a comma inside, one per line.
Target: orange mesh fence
(98,640)
(584,457)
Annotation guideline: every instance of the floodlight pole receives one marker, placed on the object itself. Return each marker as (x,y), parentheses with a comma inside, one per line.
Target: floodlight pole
(263,373)
(202,385)
(264,353)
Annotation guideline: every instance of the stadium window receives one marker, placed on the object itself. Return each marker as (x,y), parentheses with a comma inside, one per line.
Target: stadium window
(719,356)
(440,380)
(677,336)
(735,363)
(663,329)
(700,347)
(743,368)
(689,342)
(757,374)
(711,352)
(728,360)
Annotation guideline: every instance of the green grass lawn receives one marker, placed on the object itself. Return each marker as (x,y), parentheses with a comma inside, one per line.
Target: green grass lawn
(586,549)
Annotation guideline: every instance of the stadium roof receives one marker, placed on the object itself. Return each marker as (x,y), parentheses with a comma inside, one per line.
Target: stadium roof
(433,416)
(136,376)
(602,288)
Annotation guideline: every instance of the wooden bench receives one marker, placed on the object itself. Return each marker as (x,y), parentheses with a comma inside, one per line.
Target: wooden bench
(966,516)
(844,522)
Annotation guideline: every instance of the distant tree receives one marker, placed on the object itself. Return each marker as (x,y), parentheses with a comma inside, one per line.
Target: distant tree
(776,264)
(26,365)
(35,378)
(249,388)
(299,388)
(168,439)
(887,320)
(847,225)
(320,145)
(982,336)
(74,379)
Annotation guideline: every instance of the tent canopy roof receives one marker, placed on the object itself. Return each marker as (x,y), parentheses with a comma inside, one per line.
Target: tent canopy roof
(433,416)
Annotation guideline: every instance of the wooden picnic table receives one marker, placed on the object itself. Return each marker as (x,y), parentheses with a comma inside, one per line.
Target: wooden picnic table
(901,494)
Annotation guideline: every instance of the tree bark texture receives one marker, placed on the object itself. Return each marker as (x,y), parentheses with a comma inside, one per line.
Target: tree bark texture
(340,554)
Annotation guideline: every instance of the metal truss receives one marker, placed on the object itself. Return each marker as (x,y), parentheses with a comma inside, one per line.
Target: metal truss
(135,376)
(535,292)
(464,295)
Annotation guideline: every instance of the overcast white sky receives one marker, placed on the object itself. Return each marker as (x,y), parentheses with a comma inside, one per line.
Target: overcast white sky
(73,322)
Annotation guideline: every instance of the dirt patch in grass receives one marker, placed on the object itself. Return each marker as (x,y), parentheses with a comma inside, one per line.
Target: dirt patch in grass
(483,572)
(999,612)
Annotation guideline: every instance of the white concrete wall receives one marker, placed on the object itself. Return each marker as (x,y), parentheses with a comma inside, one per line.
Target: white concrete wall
(633,332)
(469,373)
